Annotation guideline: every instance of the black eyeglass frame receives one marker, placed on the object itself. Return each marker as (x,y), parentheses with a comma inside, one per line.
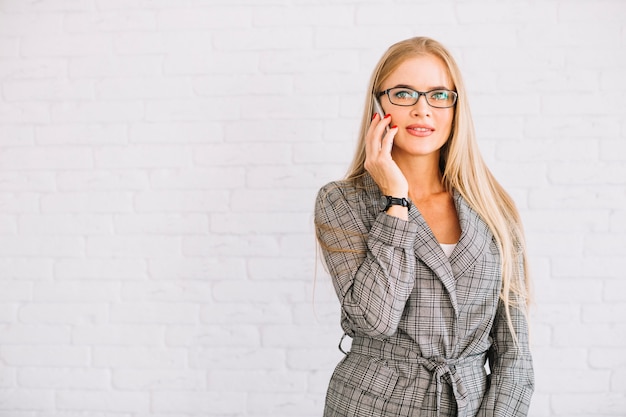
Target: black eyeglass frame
(419,94)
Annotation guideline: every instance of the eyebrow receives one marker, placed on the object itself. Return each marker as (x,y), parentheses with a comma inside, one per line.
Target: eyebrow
(439,87)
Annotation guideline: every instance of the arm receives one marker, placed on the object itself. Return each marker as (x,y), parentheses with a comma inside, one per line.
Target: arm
(512,377)
(372,270)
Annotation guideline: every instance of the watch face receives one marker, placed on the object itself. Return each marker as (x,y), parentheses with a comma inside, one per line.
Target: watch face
(384,201)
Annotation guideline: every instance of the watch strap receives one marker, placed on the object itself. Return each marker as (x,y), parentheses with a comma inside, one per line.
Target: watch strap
(396,201)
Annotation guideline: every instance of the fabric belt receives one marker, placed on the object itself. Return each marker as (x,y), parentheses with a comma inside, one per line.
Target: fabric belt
(438,366)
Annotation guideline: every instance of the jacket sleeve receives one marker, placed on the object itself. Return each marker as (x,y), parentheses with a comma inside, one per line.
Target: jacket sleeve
(372,270)
(512,376)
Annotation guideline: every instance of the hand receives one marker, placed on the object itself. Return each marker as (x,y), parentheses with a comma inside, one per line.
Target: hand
(378,161)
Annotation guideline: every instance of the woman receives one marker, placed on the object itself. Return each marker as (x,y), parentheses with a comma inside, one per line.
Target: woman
(426,252)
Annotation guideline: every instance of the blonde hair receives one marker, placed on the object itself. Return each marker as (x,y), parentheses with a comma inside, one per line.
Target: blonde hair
(463,169)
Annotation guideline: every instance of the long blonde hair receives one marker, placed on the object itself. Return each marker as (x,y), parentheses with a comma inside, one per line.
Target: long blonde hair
(463,169)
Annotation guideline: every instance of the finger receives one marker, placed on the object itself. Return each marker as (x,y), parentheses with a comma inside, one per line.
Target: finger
(387,141)
(371,144)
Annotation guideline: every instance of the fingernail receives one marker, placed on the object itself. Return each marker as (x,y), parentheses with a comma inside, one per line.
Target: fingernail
(387,116)
(394,126)
(374,116)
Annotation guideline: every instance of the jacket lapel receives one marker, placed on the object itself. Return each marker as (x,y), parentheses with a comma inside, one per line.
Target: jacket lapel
(475,235)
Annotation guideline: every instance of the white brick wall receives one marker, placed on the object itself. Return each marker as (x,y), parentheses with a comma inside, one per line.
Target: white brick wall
(158,165)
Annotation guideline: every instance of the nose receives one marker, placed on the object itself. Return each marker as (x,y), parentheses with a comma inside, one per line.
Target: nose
(421,108)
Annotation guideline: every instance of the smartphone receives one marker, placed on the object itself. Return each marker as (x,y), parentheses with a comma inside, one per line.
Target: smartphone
(379,109)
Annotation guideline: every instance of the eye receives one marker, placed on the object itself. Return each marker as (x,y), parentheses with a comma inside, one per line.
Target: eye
(440,95)
(403,94)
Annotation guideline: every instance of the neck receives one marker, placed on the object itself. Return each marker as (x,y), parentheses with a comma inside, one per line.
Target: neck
(422,174)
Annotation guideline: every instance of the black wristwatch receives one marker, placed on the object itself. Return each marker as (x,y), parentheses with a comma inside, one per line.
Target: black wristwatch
(387,201)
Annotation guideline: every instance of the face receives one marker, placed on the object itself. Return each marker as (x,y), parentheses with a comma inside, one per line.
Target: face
(422,129)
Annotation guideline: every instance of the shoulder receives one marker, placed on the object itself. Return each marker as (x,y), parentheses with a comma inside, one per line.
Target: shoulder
(357,192)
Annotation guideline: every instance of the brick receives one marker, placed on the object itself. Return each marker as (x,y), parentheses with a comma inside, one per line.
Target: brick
(142,88)
(567,220)
(585,128)
(159,380)
(64,378)
(303,15)
(286,404)
(113,66)
(94,134)
(590,335)
(25,334)
(578,196)
(200,268)
(24,113)
(237,223)
(610,150)
(604,313)
(164,224)
(15,400)
(133,357)
(238,358)
(24,24)
(103,400)
(75,291)
(133,247)
(92,202)
(150,43)
(618,221)
(585,404)
(213,335)
(141,156)
(153,312)
(199,178)
(9,47)
(18,135)
(202,19)
(19,246)
(607,357)
(320,63)
(192,110)
(18,68)
(65,45)
(174,292)
(273,291)
(27,158)
(218,62)
(292,177)
(245,313)
(273,131)
(264,201)
(272,268)
(65,224)
(588,267)
(554,150)
(488,11)
(110,21)
(258,381)
(110,336)
(241,154)
(207,403)
(229,246)
(19,270)
(89,112)
(262,38)
(47,90)
(64,313)
(45,356)
(185,201)
(108,182)
(177,132)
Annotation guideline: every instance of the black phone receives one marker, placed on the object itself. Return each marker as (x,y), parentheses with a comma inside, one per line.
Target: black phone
(379,109)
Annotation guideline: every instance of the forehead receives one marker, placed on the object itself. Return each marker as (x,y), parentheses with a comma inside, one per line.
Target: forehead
(423,72)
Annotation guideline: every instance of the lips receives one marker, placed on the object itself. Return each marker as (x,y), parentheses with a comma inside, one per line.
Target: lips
(420,130)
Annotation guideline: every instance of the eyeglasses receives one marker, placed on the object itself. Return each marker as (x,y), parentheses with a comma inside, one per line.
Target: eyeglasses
(404,96)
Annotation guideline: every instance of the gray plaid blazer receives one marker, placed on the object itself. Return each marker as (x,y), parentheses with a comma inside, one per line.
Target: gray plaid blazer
(423,325)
